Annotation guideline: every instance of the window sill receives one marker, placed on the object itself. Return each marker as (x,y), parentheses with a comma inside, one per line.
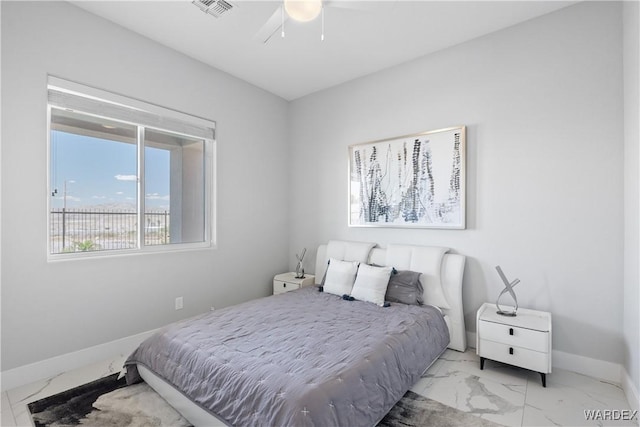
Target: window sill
(74,256)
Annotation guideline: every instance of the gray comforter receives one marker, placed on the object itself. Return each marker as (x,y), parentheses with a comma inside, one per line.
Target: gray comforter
(302,358)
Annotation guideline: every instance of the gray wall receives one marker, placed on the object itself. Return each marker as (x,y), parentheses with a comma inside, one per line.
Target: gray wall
(631,43)
(543,106)
(51,308)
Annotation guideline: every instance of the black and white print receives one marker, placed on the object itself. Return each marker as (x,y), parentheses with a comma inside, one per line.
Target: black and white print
(412,181)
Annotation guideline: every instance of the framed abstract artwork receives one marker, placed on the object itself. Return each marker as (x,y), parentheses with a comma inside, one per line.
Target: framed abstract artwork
(412,181)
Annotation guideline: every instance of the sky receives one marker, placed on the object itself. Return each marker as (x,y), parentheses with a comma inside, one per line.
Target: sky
(104,172)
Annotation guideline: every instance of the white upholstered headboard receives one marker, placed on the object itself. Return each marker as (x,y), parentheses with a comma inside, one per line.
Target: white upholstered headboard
(441,275)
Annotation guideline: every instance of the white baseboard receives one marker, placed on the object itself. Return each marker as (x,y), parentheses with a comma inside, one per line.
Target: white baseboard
(47,368)
(630,391)
(595,368)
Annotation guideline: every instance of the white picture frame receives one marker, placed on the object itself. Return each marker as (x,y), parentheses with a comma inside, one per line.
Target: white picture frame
(411,181)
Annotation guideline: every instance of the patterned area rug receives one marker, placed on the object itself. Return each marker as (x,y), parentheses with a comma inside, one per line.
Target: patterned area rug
(108,402)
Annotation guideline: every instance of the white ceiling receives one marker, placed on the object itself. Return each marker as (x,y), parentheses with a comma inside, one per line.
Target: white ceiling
(370,37)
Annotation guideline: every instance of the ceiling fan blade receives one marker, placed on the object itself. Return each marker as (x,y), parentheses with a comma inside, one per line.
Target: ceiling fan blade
(360,5)
(271,27)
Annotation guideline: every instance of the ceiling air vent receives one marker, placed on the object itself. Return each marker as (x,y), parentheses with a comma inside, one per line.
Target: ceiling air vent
(214,7)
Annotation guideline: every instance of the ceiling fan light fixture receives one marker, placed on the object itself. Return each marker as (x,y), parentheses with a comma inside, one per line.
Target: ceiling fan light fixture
(303,10)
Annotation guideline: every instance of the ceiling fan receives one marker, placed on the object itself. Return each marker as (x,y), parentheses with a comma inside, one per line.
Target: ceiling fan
(297,10)
(300,11)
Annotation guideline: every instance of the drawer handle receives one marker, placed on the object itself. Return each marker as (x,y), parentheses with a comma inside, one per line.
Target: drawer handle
(510,350)
(284,285)
(510,331)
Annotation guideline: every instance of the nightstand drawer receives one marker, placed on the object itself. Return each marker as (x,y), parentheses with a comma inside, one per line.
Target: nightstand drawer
(281,287)
(286,282)
(515,336)
(517,356)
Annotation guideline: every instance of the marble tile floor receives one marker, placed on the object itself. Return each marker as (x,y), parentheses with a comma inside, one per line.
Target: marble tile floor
(503,394)
(512,396)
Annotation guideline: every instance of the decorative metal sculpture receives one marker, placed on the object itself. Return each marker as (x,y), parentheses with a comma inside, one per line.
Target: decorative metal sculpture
(299,268)
(508,287)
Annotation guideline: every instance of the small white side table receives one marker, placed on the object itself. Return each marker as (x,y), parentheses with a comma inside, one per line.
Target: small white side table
(523,340)
(286,282)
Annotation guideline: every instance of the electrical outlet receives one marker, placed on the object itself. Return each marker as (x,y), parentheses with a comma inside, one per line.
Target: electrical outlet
(179,303)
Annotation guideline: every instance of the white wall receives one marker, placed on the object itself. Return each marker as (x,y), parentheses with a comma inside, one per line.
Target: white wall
(542,102)
(543,105)
(631,43)
(50,309)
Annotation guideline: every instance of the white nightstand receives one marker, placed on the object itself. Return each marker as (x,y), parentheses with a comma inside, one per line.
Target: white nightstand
(286,282)
(523,340)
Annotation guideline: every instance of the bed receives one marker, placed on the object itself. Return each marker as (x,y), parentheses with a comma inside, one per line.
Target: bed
(308,358)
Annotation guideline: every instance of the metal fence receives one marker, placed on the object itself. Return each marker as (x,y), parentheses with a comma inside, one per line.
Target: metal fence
(74,230)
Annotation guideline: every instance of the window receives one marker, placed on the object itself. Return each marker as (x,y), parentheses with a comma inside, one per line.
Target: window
(125,175)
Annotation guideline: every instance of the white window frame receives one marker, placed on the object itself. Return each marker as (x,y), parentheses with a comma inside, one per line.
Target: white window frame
(88,100)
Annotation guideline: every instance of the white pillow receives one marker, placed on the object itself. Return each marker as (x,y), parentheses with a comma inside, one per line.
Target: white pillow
(340,277)
(371,283)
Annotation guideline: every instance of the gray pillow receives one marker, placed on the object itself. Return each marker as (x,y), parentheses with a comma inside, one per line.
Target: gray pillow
(405,287)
